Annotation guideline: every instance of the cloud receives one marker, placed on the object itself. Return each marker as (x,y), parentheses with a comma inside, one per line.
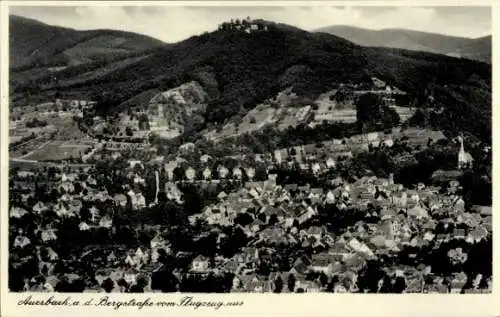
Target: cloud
(175,23)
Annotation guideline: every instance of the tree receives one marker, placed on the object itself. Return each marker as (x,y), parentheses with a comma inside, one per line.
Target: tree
(77,286)
(179,173)
(16,279)
(291,282)
(164,281)
(129,132)
(368,108)
(63,286)
(278,285)
(108,285)
(273,219)
(369,277)
(323,279)
(371,111)
(143,122)
(399,285)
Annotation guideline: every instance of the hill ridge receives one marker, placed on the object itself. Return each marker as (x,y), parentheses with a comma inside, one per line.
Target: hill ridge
(37,44)
(478,48)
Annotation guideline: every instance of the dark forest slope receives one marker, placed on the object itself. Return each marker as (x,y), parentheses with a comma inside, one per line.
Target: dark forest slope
(239,70)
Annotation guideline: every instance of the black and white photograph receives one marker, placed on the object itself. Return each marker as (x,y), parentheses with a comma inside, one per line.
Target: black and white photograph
(249,149)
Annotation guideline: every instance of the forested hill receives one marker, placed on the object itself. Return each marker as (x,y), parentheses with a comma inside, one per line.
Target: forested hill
(34,44)
(239,69)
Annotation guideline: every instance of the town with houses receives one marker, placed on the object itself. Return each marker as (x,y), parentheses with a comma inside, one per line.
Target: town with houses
(98,204)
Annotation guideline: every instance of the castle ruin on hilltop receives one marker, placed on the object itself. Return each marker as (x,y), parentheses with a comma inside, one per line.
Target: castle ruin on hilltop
(246,25)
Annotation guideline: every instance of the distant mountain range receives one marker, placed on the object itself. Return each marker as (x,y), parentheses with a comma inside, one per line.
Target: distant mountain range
(36,44)
(238,66)
(477,49)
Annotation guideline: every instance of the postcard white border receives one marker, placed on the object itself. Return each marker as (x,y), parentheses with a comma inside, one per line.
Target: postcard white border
(322,304)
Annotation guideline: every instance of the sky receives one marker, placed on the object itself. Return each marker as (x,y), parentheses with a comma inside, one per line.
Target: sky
(174,23)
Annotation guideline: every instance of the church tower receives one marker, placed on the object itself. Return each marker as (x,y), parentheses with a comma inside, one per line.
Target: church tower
(464,158)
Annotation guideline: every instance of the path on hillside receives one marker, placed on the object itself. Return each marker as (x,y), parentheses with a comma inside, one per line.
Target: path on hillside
(34,150)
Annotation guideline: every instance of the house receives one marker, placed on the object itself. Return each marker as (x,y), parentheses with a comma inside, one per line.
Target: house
(269,210)
(105,222)
(330,163)
(190,173)
(83,226)
(237,284)
(483,210)
(291,188)
(137,199)
(306,214)
(120,200)
(48,235)
(322,262)
(304,189)
(306,286)
(25,197)
(25,174)
(21,241)
(429,236)
(417,212)
(155,255)
(257,225)
(250,171)
(111,257)
(459,233)
(129,260)
(458,282)
(274,235)
(330,197)
(157,242)
(316,168)
(139,180)
(207,173)
(173,192)
(360,247)
(205,158)
(62,210)
(254,193)
(200,264)
(237,173)
(130,276)
(133,163)
(284,196)
(339,251)
(230,266)
(39,207)
(67,187)
(269,186)
(477,234)
(315,193)
(250,255)
(223,171)
(140,256)
(222,195)
(17,212)
(252,283)
(300,267)
(316,232)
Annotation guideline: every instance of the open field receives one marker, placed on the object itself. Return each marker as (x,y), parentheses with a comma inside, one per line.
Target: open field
(57,150)
(30,164)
